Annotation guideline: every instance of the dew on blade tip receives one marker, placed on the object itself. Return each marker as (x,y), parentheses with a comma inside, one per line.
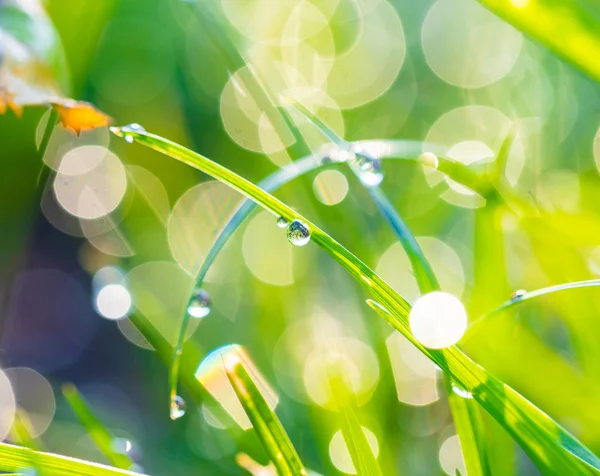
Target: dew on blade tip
(298,233)
(518,295)
(177,407)
(199,305)
(125,130)
(282,222)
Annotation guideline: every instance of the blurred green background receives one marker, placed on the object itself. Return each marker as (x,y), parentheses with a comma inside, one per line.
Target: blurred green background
(446,72)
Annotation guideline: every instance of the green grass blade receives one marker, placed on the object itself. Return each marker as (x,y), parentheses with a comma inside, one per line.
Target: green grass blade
(549,445)
(97,431)
(268,427)
(519,298)
(569,29)
(424,274)
(14,458)
(365,462)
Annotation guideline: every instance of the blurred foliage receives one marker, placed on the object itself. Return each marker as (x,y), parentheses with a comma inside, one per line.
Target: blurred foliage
(465,82)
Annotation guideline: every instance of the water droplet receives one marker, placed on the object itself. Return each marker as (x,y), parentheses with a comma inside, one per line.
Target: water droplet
(177,407)
(518,295)
(126,447)
(429,159)
(27,471)
(461,392)
(298,233)
(368,170)
(340,155)
(199,305)
(282,222)
(131,128)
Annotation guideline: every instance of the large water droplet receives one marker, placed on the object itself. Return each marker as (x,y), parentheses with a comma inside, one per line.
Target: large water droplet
(282,222)
(134,127)
(518,295)
(368,170)
(199,305)
(177,407)
(461,392)
(298,233)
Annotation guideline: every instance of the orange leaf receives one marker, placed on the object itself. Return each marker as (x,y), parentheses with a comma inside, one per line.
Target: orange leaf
(79,115)
(28,68)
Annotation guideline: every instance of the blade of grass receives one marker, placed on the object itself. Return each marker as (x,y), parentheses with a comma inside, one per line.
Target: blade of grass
(526,296)
(568,29)
(269,429)
(97,431)
(365,462)
(14,458)
(549,445)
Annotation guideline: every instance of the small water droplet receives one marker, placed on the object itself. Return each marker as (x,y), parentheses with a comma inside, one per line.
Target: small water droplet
(461,392)
(199,305)
(429,159)
(282,222)
(27,471)
(298,233)
(368,170)
(177,407)
(131,128)
(518,295)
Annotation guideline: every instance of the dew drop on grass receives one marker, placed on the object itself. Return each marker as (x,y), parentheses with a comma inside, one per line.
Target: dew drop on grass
(518,295)
(461,392)
(298,233)
(199,305)
(368,170)
(134,127)
(177,407)
(339,155)
(429,159)
(438,320)
(282,222)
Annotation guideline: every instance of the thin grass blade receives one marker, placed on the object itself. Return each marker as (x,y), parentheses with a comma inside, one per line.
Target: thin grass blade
(97,431)
(365,462)
(268,427)
(14,458)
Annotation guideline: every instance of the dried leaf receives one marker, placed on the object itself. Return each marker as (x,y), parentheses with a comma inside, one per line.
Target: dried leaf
(31,64)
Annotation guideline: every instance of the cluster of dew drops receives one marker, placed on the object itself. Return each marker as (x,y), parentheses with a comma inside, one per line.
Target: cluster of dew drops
(367,169)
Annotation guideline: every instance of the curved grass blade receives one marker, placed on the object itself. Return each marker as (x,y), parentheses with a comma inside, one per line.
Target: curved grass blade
(98,432)
(14,458)
(275,440)
(519,298)
(568,29)
(270,184)
(549,445)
